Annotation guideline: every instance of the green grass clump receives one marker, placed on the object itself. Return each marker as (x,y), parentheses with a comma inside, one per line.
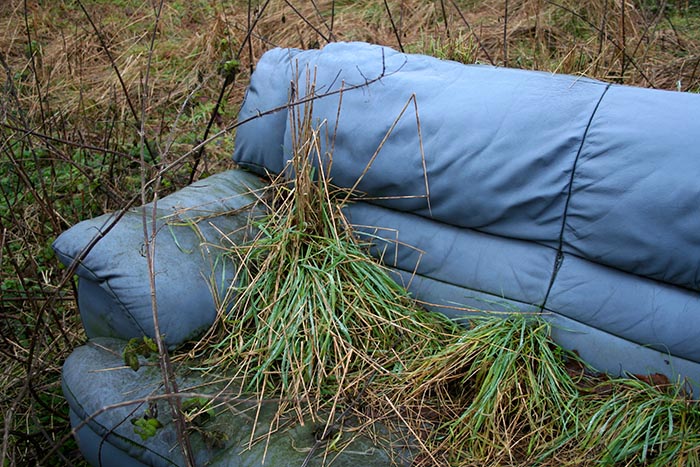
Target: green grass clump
(642,424)
(503,393)
(314,313)
(505,386)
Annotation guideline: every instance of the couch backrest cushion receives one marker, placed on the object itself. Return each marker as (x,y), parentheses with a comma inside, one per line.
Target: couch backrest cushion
(608,173)
(547,192)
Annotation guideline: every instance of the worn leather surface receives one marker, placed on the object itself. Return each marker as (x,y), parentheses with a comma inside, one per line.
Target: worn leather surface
(193,272)
(107,395)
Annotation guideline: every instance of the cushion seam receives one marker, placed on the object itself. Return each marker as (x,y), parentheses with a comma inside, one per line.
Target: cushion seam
(559,258)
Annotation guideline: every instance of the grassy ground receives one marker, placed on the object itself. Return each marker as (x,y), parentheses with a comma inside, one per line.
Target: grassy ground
(98,95)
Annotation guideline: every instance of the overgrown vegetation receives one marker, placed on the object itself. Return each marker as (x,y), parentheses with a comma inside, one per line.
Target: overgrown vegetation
(311,307)
(321,327)
(104,103)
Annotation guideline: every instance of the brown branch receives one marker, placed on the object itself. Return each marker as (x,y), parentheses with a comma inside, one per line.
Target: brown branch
(505,34)
(478,40)
(113,63)
(308,23)
(167,372)
(393,25)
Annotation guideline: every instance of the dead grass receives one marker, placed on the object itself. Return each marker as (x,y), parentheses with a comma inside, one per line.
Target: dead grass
(69,123)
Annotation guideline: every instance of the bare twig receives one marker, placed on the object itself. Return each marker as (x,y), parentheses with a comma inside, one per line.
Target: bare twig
(305,20)
(623,41)
(247,38)
(32,62)
(113,63)
(284,107)
(249,33)
(229,78)
(476,36)
(601,33)
(655,22)
(444,17)
(167,372)
(393,26)
(505,34)
(330,28)
(331,36)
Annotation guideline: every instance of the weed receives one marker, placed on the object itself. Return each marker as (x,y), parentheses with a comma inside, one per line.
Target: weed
(313,311)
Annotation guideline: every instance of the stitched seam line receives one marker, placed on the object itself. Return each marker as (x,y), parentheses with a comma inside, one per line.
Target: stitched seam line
(560,254)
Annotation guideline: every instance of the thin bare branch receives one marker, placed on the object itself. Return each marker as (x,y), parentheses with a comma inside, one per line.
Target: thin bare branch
(393,26)
(167,372)
(474,34)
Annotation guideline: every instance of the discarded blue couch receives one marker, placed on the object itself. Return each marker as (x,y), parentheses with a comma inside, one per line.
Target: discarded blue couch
(481,187)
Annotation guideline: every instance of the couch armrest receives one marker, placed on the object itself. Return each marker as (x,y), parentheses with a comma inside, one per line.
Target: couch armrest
(193,271)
